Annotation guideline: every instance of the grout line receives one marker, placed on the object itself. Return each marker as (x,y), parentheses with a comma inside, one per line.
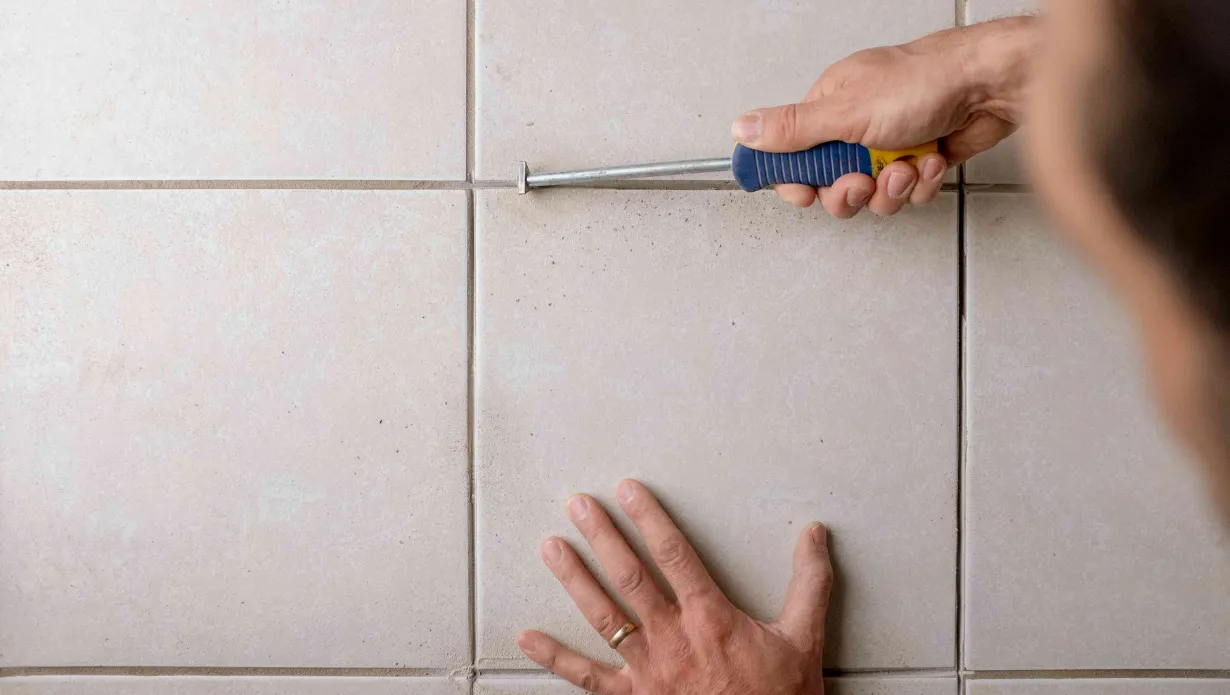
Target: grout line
(961,431)
(17,671)
(962,12)
(828,673)
(257,184)
(655,185)
(472,306)
(997,187)
(408,185)
(372,672)
(471,104)
(471,309)
(384,672)
(890,673)
(1087,674)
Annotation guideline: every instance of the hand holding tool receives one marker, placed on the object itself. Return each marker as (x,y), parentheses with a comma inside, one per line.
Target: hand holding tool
(752,169)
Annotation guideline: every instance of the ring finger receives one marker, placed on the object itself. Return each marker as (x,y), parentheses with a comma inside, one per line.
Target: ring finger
(629,576)
(602,613)
(893,188)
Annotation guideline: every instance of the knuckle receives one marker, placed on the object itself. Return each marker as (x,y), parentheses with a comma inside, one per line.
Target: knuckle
(587,680)
(677,648)
(604,621)
(548,660)
(826,577)
(602,534)
(631,581)
(787,124)
(712,622)
(864,55)
(673,552)
(830,82)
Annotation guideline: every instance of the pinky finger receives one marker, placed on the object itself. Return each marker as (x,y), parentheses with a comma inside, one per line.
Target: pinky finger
(585,673)
(796,193)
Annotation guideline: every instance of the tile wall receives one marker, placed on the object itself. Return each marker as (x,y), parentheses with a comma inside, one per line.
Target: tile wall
(292,383)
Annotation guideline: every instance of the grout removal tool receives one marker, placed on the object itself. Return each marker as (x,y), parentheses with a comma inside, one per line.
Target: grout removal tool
(752,169)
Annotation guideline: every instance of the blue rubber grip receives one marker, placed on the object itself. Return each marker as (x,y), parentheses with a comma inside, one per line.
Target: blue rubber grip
(819,166)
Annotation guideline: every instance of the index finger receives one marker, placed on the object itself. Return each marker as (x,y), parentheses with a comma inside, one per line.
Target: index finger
(672,552)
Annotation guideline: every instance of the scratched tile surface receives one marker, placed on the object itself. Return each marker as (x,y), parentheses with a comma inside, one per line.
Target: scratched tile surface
(233,89)
(759,366)
(1089,540)
(564,84)
(233,429)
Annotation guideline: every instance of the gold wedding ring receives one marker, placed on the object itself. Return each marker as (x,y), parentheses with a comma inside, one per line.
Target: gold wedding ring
(622,634)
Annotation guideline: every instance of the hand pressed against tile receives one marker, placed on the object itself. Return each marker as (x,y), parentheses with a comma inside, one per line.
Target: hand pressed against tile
(698,643)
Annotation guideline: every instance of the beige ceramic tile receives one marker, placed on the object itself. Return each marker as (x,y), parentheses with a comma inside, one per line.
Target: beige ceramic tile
(1090,543)
(1004,163)
(832,686)
(574,83)
(1117,686)
(234,428)
(759,366)
(233,89)
(524,686)
(228,685)
(985,10)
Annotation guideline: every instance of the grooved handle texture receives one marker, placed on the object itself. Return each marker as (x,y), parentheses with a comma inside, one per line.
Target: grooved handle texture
(819,166)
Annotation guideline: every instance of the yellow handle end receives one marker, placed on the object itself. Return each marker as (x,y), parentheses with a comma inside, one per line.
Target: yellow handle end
(882,158)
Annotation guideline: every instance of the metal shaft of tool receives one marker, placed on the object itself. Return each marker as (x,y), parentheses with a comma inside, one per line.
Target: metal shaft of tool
(630,171)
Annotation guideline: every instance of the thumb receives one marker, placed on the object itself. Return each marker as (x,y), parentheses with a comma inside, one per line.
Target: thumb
(789,128)
(807,597)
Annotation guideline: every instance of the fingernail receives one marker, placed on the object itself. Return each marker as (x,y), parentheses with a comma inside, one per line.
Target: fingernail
(578,508)
(748,127)
(625,492)
(857,197)
(933,169)
(898,185)
(819,535)
(551,552)
(526,642)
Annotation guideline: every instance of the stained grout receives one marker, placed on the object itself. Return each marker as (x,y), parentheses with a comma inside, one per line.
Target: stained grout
(470,430)
(413,185)
(1089,674)
(961,430)
(377,672)
(472,308)
(262,184)
(940,672)
(231,671)
(536,674)
(531,674)
(471,104)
